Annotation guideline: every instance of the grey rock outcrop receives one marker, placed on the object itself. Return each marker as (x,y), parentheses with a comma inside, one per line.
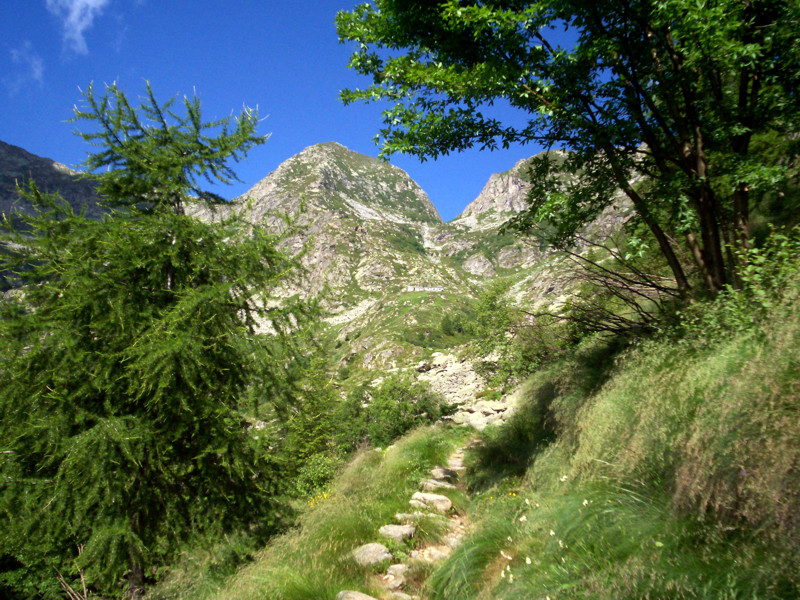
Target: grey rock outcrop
(371,554)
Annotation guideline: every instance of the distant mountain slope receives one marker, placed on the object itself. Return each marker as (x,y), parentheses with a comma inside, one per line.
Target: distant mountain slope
(373,248)
(504,195)
(17,166)
(331,178)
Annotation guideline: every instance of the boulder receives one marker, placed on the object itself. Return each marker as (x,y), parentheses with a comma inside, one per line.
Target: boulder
(397,532)
(436,501)
(371,554)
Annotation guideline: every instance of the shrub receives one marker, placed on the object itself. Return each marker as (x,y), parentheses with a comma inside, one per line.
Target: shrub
(315,474)
(399,405)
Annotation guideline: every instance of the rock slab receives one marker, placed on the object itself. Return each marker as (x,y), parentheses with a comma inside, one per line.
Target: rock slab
(371,554)
(397,532)
(436,501)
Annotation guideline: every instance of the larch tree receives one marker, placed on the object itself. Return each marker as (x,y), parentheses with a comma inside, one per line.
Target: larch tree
(126,349)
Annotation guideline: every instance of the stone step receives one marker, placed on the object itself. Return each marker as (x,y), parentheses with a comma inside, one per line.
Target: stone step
(371,554)
(436,501)
(415,516)
(431,554)
(456,462)
(430,485)
(352,595)
(444,474)
(398,532)
(395,576)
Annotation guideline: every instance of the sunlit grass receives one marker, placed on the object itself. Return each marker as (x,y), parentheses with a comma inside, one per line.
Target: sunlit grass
(670,479)
(312,561)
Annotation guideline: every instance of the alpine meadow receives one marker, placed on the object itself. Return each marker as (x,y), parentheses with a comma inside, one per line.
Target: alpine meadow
(585,385)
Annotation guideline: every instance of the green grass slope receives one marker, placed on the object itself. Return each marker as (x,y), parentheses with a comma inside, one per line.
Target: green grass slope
(677,477)
(668,470)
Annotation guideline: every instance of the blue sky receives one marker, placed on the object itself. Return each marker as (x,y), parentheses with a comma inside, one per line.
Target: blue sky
(282,56)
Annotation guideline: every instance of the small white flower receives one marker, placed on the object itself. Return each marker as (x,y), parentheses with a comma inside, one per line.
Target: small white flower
(506,556)
(563,478)
(552,532)
(537,506)
(560,544)
(510,578)
(502,574)
(528,502)
(508,568)
(523,518)
(585,502)
(509,539)
(527,560)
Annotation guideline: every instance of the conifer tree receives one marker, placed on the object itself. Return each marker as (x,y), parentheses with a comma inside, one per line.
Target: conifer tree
(126,350)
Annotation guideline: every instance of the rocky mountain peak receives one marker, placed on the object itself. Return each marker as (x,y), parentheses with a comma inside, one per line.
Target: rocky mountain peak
(505,194)
(17,166)
(330,177)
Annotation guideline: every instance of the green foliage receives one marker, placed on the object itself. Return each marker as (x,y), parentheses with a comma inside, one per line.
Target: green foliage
(379,416)
(311,423)
(764,276)
(316,473)
(686,93)
(126,354)
(398,405)
(407,239)
(512,344)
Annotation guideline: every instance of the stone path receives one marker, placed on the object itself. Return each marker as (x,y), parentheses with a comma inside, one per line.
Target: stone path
(425,504)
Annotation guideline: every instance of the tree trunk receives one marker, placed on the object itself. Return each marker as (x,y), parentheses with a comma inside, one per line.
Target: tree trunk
(712,241)
(135,579)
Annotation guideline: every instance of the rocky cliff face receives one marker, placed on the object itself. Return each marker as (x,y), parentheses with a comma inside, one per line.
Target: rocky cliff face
(18,166)
(504,195)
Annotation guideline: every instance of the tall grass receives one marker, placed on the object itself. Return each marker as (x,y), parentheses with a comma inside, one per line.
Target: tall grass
(673,472)
(312,561)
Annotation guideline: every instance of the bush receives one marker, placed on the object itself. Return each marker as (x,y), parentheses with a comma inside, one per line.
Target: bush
(379,416)
(764,277)
(399,405)
(315,474)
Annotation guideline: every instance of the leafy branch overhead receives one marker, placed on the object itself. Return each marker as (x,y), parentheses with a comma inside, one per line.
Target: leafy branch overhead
(673,91)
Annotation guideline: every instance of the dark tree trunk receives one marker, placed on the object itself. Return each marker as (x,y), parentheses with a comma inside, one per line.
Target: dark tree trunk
(135,579)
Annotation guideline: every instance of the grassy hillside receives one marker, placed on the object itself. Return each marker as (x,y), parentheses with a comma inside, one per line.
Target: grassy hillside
(668,469)
(676,478)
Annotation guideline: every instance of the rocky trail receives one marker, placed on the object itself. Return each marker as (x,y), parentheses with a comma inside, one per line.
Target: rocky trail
(399,581)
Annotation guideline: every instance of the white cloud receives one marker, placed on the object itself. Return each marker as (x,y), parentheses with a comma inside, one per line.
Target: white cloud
(29,68)
(30,61)
(77,17)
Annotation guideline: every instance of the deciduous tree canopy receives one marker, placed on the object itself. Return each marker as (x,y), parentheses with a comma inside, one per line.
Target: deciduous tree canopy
(679,92)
